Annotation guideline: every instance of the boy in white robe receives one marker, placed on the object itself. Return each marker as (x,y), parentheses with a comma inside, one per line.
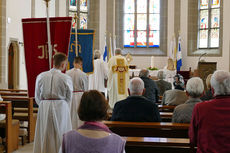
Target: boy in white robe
(80,84)
(53,93)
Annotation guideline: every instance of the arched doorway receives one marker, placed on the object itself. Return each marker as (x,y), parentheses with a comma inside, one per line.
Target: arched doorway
(13,65)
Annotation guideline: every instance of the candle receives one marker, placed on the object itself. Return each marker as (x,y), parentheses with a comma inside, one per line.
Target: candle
(152,61)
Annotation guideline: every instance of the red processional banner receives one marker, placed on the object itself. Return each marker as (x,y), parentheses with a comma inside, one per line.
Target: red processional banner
(36,44)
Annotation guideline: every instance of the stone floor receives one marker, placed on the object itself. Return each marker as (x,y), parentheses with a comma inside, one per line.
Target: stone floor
(28,148)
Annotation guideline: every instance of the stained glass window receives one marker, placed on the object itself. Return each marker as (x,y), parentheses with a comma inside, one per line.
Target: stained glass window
(79,7)
(209,23)
(141,23)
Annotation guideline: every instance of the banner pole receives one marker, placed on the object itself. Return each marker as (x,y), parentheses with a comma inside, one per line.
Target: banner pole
(48,33)
(76,43)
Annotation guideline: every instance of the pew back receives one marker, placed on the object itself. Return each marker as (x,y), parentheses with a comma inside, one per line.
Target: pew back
(149,129)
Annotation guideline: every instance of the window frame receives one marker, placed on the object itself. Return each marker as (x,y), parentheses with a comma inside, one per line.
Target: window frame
(147,26)
(79,12)
(209,24)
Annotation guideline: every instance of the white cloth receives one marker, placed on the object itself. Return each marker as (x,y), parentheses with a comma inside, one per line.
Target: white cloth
(76,122)
(80,81)
(114,95)
(53,115)
(96,80)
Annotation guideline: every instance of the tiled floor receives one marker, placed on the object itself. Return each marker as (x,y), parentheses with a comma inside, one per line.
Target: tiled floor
(28,148)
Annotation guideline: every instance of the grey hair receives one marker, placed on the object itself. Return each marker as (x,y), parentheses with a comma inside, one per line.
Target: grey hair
(144,73)
(97,54)
(195,87)
(161,75)
(118,51)
(220,82)
(136,86)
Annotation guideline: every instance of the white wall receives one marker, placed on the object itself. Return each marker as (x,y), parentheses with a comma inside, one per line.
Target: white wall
(16,10)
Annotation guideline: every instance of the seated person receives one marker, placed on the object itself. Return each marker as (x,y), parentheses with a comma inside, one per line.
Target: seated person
(93,136)
(2,117)
(178,82)
(136,108)
(174,97)
(162,84)
(183,112)
(208,93)
(151,90)
(210,124)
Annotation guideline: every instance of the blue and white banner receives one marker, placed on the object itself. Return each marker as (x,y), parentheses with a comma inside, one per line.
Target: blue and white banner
(179,55)
(85,49)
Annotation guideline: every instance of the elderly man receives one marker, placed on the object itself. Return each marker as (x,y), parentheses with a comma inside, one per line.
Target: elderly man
(97,79)
(80,84)
(118,78)
(136,108)
(210,124)
(194,90)
(162,84)
(151,90)
(53,93)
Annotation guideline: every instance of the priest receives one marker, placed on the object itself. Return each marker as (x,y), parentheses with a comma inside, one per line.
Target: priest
(99,76)
(53,93)
(118,78)
(80,84)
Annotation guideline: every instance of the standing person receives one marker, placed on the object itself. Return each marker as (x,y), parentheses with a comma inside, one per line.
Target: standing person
(97,79)
(53,93)
(118,78)
(210,124)
(80,84)
(93,136)
(151,90)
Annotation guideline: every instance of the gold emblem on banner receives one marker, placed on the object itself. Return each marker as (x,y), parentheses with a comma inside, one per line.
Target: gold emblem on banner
(44,50)
(74,44)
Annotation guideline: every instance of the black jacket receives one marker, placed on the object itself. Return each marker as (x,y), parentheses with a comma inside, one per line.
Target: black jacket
(136,109)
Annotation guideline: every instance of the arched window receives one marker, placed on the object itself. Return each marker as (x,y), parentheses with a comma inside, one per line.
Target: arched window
(80,7)
(209,24)
(141,23)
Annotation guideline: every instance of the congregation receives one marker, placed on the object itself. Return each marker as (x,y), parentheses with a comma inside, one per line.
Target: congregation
(71,110)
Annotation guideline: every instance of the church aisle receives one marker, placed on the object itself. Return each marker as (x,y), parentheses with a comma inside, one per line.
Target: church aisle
(28,148)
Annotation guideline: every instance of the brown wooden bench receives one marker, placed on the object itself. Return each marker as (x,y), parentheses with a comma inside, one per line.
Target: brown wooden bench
(29,116)
(3,93)
(11,127)
(14,90)
(157,145)
(166,108)
(149,129)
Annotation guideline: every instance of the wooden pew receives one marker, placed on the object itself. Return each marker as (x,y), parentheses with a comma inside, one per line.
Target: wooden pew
(24,102)
(14,90)
(13,93)
(157,145)
(11,127)
(166,108)
(149,129)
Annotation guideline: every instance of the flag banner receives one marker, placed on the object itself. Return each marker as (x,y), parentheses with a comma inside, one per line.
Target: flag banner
(179,55)
(85,48)
(36,44)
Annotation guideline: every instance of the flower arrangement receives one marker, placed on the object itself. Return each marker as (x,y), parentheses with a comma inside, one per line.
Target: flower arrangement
(152,68)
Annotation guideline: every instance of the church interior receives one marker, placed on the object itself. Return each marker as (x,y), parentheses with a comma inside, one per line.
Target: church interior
(148,32)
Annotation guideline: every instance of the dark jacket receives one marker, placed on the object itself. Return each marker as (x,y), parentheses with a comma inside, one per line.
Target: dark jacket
(151,90)
(163,86)
(136,109)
